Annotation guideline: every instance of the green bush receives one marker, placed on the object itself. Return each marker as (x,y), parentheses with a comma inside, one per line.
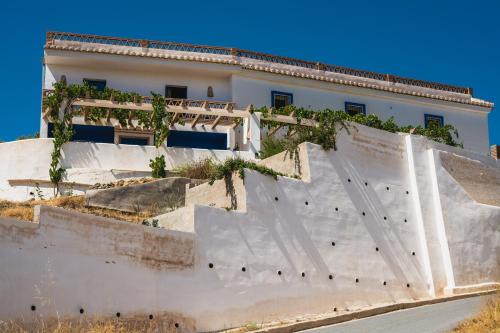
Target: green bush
(158,166)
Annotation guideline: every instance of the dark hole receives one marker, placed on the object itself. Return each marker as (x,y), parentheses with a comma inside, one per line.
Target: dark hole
(33,308)
(366,184)
(385,217)
(279,272)
(407,192)
(150,317)
(330,276)
(406,220)
(243,269)
(407,285)
(336,209)
(333,243)
(303,274)
(413,253)
(82,311)
(364,214)
(387,188)
(275,198)
(349,180)
(118,314)
(385,283)
(376,249)
(335,309)
(357,280)
(307,203)
(176,325)
(210,265)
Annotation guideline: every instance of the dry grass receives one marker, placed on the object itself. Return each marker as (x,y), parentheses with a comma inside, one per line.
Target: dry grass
(487,321)
(25,210)
(88,326)
(202,169)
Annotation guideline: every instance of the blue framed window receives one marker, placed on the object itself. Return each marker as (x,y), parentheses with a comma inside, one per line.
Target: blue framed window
(192,139)
(281,99)
(354,108)
(98,85)
(89,133)
(432,118)
(138,141)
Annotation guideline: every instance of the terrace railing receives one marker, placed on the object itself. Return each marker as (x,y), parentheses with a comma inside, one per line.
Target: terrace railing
(84,38)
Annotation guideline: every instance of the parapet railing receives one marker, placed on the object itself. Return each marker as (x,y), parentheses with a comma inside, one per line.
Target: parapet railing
(85,38)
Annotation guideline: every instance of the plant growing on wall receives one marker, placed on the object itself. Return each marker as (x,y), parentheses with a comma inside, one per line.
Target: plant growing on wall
(330,123)
(160,123)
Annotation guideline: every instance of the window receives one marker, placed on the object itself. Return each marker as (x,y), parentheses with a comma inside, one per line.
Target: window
(89,133)
(354,108)
(192,139)
(280,99)
(176,92)
(432,118)
(130,140)
(98,85)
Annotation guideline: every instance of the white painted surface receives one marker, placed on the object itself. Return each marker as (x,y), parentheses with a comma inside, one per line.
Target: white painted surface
(284,235)
(88,163)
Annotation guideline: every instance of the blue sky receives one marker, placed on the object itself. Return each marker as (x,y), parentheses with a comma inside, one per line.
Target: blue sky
(454,42)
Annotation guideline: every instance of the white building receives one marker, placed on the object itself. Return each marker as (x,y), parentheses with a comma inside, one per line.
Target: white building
(245,77)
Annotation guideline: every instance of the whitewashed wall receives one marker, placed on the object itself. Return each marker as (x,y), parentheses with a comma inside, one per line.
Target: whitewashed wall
(471,122)
(87,163)
(289,225)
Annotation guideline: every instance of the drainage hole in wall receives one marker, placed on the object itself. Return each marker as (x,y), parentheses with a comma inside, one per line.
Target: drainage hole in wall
(385,217)
(387,188)
(413,253)
(376,249)
(357,280)
(307,203)
(82,311)
(275,198)
(210,265)
(118,314)
(407,192)
(243,269)
(336,209)
(364,213)
(335,309)
(330,277)
(176,325)
(279,272)
(303,274)
(333,243)
(406,220)
(349,180)
(407,285)
(33,308)
(150,317)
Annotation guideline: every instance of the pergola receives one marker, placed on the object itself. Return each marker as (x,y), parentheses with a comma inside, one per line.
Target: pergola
(195,112)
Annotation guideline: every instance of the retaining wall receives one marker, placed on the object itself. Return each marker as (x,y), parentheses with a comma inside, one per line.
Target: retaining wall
(380,221)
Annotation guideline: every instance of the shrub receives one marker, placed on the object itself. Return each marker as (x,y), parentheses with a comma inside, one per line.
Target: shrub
(157,166)
(202,169)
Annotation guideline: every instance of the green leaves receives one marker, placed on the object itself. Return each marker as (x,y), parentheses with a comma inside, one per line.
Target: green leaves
(158,166)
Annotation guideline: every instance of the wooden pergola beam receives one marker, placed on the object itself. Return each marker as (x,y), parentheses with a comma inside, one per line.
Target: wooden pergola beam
(195,120)
(216,122)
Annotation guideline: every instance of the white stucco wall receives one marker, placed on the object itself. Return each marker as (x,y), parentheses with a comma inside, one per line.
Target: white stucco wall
(289,225)
(471,122)
(87,163)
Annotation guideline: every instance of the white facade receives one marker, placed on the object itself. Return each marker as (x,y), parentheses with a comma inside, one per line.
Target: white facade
(380,209)
(248,81)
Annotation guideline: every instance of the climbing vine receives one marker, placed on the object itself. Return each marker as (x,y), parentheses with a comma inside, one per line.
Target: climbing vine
(61,112)
(229,167)
(329,123)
